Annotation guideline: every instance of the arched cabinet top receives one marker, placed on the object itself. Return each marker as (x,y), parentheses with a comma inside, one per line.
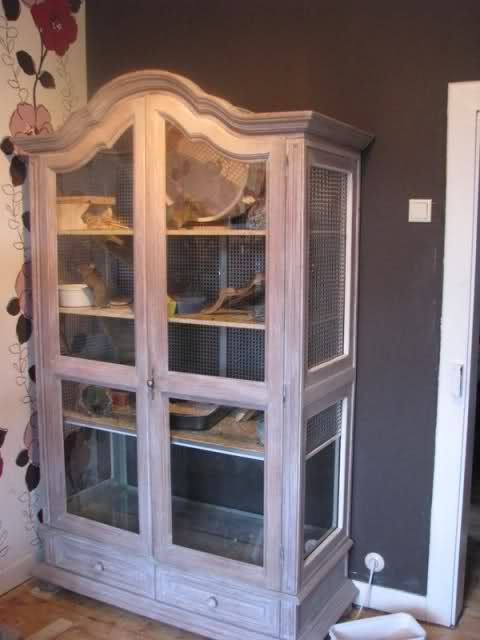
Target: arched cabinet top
(238,121)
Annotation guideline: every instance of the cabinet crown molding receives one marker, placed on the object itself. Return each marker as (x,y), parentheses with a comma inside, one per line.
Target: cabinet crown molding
(240,121)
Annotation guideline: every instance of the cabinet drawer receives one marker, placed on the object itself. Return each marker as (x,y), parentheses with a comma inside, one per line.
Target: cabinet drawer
(243,607)
(119,569)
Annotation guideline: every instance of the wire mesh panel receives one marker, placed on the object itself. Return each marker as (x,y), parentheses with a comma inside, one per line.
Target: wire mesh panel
(245,354)
(194,349)
(194,267)
(327,221)
(246,257)
(216,351)
(324,426)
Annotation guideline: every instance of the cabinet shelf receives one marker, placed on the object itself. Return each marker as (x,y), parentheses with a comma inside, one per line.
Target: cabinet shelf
(216,231)
(125,425)
(96,232)
(232,320)
(229,320)
(228,436)
(100,312)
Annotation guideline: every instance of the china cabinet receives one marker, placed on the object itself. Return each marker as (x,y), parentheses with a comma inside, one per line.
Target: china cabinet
(195,309)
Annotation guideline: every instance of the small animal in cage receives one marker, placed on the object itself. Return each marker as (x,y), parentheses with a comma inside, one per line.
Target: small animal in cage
(94,280)
(101,218)
(94,401)
(184,212)
(256,215)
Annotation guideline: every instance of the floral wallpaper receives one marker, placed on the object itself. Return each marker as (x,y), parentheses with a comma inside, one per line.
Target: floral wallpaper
(42,80)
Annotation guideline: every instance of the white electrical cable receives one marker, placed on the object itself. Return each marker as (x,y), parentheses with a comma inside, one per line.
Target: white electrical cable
(366,601)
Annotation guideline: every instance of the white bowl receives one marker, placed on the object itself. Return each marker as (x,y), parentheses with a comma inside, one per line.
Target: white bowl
(396,626)
(75,295)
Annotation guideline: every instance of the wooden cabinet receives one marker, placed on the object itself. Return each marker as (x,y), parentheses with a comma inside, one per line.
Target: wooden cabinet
(195,310)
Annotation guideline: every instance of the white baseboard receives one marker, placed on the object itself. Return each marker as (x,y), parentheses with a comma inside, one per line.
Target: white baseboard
(18,572)
(392,600)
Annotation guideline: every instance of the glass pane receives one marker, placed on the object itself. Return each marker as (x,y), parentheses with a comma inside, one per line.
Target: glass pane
(322,466)
(216,217)
(217,458)
(100,445)
(95,256)
(327,214)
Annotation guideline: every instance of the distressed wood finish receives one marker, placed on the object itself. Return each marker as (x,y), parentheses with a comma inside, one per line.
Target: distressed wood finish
(286,597)
(238,120)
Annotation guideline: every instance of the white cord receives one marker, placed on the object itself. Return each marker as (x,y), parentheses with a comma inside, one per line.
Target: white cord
(366,600)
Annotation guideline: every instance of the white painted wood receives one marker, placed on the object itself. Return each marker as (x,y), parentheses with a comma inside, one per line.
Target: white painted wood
(391,600)
(104,564)
(459,345)
(20,571)
(253,610)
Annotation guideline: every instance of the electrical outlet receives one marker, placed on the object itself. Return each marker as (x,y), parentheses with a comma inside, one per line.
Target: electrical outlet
(374,561)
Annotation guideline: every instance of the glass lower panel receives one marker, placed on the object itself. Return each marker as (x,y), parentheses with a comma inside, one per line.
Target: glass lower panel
(94,338)
(217,460)
(100,449)
(321,496)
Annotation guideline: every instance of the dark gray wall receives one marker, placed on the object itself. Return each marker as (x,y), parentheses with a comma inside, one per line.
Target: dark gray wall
(382,66)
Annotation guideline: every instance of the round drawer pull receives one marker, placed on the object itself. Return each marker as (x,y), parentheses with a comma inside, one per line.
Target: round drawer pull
(98,567)
(212,602)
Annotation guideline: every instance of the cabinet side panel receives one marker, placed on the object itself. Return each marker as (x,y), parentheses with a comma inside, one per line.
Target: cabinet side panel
(294,375)
(329,351)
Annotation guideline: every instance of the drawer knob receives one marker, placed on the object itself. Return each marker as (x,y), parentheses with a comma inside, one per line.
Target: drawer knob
(98,567)
(212,602)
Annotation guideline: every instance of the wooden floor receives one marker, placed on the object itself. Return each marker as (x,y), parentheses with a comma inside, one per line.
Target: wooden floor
(65,616)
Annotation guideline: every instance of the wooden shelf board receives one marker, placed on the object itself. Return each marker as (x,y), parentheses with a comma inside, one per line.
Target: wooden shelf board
(95,232)
(231,320)
(227,436)
(101,312)
(95,200)
(115,424)
(216,231)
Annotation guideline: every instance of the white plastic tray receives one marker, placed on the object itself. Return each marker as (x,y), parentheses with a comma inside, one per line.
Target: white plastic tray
(397,626)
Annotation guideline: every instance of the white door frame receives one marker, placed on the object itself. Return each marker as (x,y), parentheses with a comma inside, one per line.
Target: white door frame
(458,360)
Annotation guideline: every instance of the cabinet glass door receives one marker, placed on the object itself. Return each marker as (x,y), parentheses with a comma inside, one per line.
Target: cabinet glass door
(216,227)
(95,257)
(100,449)
(100,407)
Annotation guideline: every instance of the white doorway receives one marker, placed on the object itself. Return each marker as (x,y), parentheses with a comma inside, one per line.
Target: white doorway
(457,387)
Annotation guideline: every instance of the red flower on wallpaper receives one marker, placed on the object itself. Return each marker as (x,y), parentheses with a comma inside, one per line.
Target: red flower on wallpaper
(56,25)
